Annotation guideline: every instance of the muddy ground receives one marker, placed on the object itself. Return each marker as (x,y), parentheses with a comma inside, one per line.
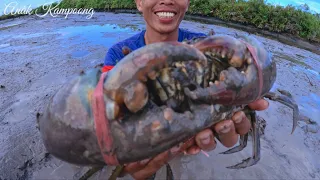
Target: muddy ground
(38,55)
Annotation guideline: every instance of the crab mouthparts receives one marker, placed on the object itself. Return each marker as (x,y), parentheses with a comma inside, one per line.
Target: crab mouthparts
(226,67)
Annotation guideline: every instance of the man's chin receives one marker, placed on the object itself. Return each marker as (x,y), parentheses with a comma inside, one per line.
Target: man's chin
(167,29)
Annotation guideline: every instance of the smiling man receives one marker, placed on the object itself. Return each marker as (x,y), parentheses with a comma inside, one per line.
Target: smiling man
(163,18)
(162,24)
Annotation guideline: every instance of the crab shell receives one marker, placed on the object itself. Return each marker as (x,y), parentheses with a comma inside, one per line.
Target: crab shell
(107,118)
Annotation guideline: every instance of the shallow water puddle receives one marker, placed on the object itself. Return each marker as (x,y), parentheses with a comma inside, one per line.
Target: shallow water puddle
(105,35)
(4,47)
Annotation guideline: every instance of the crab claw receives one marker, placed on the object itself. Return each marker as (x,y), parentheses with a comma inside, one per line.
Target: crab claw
(66,126)
(156,129)
(125,84)
(81,116)
(246,71)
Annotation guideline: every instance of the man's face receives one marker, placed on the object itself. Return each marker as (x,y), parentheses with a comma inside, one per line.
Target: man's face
(163,16)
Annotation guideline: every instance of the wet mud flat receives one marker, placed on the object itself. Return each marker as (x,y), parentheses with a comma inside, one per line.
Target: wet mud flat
(38,55)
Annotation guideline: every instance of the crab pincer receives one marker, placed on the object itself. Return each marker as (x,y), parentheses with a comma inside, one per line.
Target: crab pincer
(107,118)
(246,71)
(125,84)
(242,72)
(157,97)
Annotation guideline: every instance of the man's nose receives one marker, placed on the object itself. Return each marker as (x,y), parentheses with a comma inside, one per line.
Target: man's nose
(167,2)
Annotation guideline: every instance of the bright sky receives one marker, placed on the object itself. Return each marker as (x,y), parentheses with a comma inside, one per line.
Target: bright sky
(313,4)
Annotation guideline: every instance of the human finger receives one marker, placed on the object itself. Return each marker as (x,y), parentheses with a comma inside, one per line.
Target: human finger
(227,133)
(134,167)
(160,160)
(152,167)
(259,105)
(241,123)
(193,150)
(205,141)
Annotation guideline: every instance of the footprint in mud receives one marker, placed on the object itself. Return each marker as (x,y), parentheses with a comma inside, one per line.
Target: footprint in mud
(309,109)
(311,125)
(311,128)
(310,115)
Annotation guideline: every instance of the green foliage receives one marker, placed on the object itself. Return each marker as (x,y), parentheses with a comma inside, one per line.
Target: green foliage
(43,10)
(123,4)
(289,19)
(68,4)
(98,4)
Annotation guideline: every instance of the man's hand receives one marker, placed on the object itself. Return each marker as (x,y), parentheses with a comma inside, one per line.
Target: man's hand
(228,131)
(146,168)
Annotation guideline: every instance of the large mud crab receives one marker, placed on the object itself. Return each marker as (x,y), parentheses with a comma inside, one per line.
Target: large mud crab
(157,97)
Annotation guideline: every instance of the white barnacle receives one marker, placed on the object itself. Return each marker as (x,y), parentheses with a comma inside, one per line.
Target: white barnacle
(217,107)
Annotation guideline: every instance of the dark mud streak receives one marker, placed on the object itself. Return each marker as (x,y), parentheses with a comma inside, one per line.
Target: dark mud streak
(271,146)
(285,57)
(24,176)
(27,166)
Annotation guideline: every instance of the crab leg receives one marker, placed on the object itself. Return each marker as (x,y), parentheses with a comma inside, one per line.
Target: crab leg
(90,173)
(287,100)
(284,98)
(255,143)
(240,147)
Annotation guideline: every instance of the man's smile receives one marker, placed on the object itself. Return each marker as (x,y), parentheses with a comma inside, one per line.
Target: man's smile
(165,14)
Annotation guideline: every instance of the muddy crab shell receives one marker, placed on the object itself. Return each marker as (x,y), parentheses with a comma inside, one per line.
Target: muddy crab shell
(265,62)
(67,126)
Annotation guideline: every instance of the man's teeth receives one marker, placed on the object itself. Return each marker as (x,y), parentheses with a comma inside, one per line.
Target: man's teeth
(165,14)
